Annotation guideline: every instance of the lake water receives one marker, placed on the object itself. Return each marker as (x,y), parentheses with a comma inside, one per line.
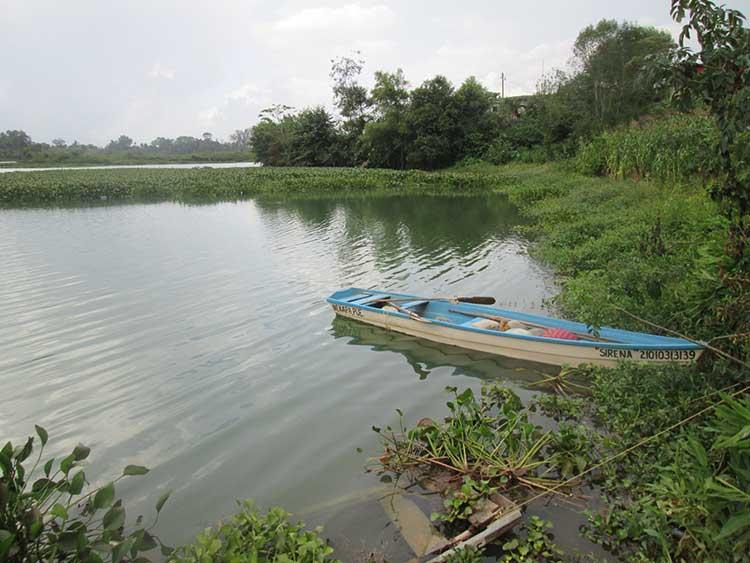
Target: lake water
(195,340)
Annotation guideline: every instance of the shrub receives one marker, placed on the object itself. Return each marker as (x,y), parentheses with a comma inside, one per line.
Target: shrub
(48,515)
(252,536)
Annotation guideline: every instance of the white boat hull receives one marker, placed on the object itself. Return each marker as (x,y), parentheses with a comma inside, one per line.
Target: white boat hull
(523,349)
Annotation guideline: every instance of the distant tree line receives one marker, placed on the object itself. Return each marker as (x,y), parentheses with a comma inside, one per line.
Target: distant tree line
(435,124)
(18,145)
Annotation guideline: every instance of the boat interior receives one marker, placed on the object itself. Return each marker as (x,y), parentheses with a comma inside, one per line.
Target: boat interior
(508,322)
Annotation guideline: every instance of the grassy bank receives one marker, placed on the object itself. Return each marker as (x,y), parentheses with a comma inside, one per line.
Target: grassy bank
(667,443)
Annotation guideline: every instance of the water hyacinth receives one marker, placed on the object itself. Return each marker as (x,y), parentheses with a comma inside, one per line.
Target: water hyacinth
(61,186)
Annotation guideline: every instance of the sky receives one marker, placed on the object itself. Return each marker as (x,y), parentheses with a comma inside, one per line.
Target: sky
(91,70)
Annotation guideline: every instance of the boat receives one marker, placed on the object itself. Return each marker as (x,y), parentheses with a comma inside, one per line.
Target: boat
(508,333)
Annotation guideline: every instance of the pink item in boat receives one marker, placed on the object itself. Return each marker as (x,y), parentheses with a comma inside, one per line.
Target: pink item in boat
(559,333)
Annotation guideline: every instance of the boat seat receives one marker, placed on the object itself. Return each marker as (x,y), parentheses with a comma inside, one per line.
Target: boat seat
(357,297)
(411,304)
(369,299)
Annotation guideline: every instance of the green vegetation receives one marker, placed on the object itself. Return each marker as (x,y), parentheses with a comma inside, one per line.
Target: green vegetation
(435,125)
(252,536)
(533,544)
(55,158)
(49,512)
(675,149)
(490,442)
(229,183)
(17,145)
(667,446)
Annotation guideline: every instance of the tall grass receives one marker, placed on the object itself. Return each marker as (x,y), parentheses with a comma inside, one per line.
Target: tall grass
(676,148)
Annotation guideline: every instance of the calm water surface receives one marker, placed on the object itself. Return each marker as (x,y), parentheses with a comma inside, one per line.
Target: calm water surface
(195,340)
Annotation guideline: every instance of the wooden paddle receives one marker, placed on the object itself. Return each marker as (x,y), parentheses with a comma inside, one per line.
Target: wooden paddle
(498,318)
(407,312)
(476,299)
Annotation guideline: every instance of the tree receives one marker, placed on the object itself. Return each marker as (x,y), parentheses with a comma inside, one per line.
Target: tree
(59,143)
(610,85)
(349,97)
(476,124)
(241,137)
(718,75)
(272,137)
(315,139)
(208,137)
(162,144)
(384,140)
(432,125)
(14,144)
(123,143)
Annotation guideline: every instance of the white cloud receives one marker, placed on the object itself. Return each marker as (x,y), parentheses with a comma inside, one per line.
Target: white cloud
(160,71)
(248,94)
(239,106)
(346,16)
(210,115)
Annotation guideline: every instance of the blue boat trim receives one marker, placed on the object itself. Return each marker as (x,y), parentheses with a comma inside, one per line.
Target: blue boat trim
(625,339)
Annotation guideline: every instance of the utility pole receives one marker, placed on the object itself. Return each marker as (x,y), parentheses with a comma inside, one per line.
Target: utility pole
(502,84)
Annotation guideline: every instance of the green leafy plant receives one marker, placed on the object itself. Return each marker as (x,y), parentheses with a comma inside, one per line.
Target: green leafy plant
(462,502)
(49,512)
(534,544)
(490,439)
(252,536)
(467,554)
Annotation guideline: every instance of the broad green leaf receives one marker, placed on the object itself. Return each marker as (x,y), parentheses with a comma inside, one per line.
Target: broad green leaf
(510,545)
(121,549)
(66,463)
(77,483)
(43,485)
(135,470)
(5,464)
(59,511)
(114,518)
(48,466)
(23,453)
(147,542)
(161,500)
(42,434)
(104,496)
(81,452)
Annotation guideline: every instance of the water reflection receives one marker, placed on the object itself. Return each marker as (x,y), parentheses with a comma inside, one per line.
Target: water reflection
(424,356)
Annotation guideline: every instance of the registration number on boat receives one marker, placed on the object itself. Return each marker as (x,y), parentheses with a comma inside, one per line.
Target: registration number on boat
(346,310)
(666,355)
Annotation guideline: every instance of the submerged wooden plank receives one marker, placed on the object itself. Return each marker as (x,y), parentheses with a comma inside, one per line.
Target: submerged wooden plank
(493,531)
(415,527)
